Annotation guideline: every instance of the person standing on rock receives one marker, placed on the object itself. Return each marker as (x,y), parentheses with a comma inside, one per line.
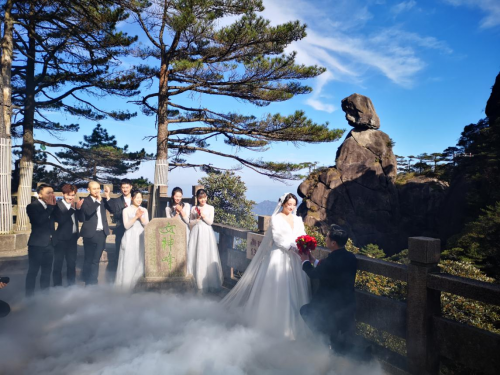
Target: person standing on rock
(41,241)
(94,231)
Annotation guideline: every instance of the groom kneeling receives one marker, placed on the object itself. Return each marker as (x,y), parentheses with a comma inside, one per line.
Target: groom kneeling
(333,307)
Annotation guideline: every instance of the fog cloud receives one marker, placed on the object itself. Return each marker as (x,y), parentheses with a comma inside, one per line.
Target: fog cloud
(99,330)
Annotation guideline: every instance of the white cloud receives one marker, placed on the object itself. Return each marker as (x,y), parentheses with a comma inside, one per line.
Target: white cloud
(337,38)
(490,7)
(403,7)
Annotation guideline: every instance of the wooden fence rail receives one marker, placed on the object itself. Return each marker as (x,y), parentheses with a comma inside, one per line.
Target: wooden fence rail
(429,337)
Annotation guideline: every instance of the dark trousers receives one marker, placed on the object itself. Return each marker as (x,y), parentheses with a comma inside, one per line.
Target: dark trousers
(65,250)
(39,257)
(118,242)
(93,248)
(4,309)
(338,326)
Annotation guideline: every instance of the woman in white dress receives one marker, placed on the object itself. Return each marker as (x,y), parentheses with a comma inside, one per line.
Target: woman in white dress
(178,209)
(131,258)
(203,261)
(274,287)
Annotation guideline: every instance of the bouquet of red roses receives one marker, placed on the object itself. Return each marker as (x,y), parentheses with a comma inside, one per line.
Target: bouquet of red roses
(306,243)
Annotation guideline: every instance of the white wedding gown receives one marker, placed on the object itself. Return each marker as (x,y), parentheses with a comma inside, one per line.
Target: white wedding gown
(274,287)
(203,261)
(131,258)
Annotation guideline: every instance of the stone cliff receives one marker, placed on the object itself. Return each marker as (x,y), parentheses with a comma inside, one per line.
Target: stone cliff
(360,193)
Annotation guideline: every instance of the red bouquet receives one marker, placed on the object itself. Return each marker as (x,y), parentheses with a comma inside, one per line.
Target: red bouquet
(306,244)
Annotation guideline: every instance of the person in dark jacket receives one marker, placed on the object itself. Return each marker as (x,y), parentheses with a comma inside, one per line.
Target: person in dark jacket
(41,241)
(66,235)
(332,308)
(94,231)
(116,207)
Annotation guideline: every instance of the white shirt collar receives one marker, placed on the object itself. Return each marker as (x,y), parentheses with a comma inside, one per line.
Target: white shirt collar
(43,203)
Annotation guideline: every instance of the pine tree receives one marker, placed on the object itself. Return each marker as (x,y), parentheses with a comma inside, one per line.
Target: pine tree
(244,60)
(66,51)
(226,192)
(99,158)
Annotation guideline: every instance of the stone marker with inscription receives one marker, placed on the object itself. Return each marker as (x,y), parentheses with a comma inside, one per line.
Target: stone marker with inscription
(165,256)
(253,243)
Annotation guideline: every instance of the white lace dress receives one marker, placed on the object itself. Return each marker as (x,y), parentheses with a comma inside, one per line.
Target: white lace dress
(170,213)
(274,287)
(203,261)
(131,257)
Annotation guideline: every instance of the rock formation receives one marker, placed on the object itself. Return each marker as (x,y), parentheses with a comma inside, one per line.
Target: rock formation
(359,192)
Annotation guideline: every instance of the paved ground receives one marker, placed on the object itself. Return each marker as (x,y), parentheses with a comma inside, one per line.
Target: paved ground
(15,266)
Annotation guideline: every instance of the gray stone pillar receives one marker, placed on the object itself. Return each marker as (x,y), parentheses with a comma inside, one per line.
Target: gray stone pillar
(423,303)
(263,222)
(225,245)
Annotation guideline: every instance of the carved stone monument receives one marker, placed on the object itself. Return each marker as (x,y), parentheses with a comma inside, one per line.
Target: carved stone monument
(165,256)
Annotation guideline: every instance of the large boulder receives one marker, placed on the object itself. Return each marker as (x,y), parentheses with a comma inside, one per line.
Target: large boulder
(359,192)
(360,113)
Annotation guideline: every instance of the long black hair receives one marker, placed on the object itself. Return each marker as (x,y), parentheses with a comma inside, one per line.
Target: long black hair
(176,190)
(288,197)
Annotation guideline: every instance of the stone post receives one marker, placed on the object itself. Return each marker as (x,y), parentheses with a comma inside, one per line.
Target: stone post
(225,245)
(263,222)
(422,304)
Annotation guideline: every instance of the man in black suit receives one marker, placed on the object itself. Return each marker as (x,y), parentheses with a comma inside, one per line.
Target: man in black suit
(66,235)
(94,231)
(332,309)
(41,241)
(117,205)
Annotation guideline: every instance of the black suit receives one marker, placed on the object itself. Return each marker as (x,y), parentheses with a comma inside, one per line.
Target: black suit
(40,245)
(94,241)
(117,205)
(332,308)
(66,236)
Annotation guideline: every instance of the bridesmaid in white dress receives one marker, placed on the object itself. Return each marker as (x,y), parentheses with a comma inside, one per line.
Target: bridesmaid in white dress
(274,287)
(131,258)
(179,209)
(203,261)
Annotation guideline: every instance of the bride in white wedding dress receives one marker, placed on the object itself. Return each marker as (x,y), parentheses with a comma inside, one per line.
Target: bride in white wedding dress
(274,287)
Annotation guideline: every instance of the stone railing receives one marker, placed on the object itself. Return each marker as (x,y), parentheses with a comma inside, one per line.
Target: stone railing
(418,321)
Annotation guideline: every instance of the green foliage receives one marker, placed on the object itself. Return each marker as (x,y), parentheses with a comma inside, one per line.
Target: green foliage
(372,251)
(244,60)
(464,310)
(99,158)
(226,192)
(75,54)
(479,241)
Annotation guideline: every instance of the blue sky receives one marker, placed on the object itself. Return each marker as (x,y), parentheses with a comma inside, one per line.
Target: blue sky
(428,67)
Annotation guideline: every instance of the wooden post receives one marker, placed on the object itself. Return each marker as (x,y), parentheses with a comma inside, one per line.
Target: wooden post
(422,304)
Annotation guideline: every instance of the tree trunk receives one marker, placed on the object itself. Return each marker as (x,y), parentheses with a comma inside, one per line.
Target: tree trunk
(28,148)
(161,166)
(6,224)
